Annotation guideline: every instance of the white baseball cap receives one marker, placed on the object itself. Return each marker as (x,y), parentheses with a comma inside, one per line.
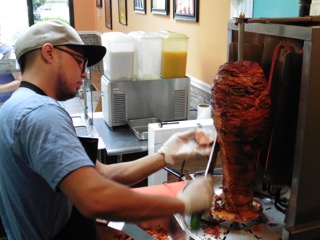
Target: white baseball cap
(57,33)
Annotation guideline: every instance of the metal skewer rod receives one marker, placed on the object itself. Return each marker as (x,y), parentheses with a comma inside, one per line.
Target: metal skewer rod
(241,21)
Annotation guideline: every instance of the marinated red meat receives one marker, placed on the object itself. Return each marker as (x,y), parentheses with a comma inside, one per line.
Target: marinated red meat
(159,234)
(202,139)
(240,109)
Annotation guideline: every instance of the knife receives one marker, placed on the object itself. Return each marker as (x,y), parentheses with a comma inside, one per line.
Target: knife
(195,218)
(131,230)
(212,159)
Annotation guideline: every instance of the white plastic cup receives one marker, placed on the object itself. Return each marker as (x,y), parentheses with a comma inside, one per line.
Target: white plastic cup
(203,111)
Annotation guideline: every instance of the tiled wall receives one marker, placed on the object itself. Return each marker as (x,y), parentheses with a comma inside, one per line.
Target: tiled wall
(198,96)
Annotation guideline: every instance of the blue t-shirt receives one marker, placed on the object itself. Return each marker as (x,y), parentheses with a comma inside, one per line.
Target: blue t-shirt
(38,147)
(5,78)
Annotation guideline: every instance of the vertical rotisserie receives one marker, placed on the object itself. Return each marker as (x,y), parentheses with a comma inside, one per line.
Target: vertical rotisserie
(240,109)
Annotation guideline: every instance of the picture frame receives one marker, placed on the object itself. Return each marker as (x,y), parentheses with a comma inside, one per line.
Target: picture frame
(160,7)
(186,10)
(99,3)
(108,13)
(122,8)
(139,6)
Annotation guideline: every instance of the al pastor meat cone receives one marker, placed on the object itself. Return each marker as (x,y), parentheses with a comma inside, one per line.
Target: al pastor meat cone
(240,109)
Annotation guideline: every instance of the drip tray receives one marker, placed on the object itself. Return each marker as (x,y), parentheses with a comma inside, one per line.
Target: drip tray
(139,127)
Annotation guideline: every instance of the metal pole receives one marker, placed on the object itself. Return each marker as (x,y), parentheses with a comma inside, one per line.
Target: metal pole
(304,7)
(241,22)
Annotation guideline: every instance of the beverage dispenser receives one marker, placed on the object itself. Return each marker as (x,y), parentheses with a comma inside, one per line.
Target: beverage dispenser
(174,54)
(119,59)
(147,59)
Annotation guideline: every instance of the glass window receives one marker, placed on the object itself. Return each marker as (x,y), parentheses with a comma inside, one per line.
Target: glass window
(17,15)
(13,20)
(52,10)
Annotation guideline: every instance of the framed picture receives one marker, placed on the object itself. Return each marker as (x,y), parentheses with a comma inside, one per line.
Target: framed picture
(108,13)
(99,3)
(160,7)
(140,6)
(122,7)
(186,10)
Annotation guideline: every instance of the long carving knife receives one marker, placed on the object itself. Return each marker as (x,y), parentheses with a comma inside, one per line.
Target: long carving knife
(195,218)
(212,158)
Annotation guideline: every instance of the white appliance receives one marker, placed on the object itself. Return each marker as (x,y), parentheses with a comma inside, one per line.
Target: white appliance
(158,134)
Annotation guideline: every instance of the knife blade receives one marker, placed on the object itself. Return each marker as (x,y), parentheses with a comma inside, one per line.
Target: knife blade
(131,230)
(212,158)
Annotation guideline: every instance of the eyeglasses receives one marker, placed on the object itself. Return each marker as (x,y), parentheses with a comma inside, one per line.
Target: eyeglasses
(77,57)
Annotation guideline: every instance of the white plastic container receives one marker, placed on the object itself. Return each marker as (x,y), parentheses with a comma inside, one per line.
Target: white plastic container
(174,54)
(147,60)
(119,59)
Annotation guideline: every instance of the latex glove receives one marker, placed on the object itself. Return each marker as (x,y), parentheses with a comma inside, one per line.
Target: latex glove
(182,146)
(197,195)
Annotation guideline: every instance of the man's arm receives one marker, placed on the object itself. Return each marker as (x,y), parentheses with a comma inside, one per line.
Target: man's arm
(11,86)
(98,197)
(129,173)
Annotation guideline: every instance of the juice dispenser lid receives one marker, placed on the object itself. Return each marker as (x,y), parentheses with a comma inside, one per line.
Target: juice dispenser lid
(144,35)
(172,35)
(116,37)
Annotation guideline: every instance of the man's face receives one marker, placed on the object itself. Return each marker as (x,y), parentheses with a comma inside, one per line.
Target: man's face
(69,79)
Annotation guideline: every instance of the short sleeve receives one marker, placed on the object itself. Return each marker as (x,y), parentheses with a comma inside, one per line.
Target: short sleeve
(51,144)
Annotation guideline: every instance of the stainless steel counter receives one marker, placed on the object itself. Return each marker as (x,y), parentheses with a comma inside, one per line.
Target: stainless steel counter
(119,140)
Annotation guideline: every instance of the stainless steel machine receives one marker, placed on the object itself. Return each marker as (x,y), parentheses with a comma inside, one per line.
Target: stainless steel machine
(290,158)
(163,99)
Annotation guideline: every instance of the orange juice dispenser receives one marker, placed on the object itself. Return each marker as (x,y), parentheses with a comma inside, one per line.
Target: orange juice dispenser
(174,54)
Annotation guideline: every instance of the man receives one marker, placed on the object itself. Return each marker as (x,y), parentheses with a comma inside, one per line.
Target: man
(44,170)
(9,82)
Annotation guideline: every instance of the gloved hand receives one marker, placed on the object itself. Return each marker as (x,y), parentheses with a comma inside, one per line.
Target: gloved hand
(198,195)
(182,146)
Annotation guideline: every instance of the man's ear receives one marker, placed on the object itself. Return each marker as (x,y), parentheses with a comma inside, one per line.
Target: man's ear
(47,52)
